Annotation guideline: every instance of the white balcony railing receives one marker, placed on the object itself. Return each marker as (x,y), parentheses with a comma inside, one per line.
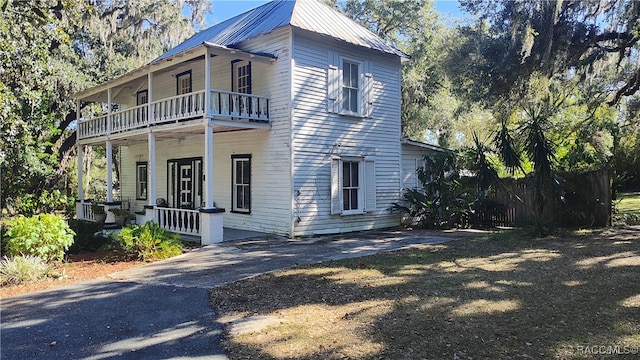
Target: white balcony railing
(179,107)
(222,105)
(178,220)
(237,105)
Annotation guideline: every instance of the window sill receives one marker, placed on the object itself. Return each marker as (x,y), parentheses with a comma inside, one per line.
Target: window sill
(241,212)
(353,212)
(351,115)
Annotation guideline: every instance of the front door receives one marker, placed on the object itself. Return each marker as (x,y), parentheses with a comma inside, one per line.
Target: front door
(184,183)
(186,186)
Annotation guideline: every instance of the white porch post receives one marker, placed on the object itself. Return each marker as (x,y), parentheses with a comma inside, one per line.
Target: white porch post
(207,84)
(150,97)
(211,224)
(151,175)
(79,208)
(80,201)
(109,151)
(80,161)
(208,136)
(109,171)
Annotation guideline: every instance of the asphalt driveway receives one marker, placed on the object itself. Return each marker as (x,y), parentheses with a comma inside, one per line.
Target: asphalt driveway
(161,310)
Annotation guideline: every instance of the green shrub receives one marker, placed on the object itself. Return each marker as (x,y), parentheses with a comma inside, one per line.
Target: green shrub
(43,235)
(88,236)
(22,269)
(149,241)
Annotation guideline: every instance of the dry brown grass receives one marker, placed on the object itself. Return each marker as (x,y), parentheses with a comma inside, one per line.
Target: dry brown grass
(499,297)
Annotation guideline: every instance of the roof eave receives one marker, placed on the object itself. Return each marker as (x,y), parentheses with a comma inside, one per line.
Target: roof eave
(419,144)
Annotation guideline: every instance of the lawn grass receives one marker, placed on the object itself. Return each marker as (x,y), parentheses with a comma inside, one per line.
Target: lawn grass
(503,296)
(629,203)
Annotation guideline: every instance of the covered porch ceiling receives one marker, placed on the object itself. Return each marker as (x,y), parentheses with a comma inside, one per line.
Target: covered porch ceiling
(135,80)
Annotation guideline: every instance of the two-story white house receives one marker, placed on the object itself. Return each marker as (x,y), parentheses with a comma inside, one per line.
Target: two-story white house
(284,119)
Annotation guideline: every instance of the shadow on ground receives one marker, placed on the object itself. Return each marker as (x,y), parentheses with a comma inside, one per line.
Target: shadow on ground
(177,323)
(502,298)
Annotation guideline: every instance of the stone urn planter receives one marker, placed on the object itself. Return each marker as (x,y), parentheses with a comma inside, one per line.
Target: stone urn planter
(121,216)
(99,215)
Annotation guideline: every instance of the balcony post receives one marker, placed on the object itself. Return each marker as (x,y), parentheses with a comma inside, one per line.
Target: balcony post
(109,147)
(207,84)
(150,98)
(109,125)
(151,175)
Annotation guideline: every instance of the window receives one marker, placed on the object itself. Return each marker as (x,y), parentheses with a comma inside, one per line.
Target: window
(242,77)
(141,181)
(353,185)
(183,81)
(349,87)
(241,183)
(142,97)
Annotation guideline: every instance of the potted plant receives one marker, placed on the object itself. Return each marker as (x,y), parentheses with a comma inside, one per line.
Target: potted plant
(98,213)
(121,215)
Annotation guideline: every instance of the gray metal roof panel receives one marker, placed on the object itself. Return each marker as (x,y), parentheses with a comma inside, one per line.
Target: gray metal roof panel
(310,15)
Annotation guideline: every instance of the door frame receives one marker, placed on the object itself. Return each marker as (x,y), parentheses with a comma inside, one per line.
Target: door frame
(173,181)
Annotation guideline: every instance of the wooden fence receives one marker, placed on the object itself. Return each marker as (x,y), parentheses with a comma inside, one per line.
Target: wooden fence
(581,199)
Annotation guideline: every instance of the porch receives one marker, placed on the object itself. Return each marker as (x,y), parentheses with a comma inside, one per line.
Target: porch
(186,96)
(182,221)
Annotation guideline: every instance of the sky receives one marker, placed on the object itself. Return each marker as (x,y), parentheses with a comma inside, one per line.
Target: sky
(225,9)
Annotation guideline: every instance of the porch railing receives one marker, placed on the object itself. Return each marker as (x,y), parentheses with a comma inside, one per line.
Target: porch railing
(131,118)
(222,104)
(85,212)
(238,105)
(178,107)
(178,220)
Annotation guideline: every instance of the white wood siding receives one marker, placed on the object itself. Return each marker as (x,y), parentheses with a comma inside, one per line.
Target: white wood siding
(270,162)
(411,155)
(319,135)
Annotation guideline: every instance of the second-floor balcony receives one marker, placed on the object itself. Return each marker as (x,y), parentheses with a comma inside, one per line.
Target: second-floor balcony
(222,105)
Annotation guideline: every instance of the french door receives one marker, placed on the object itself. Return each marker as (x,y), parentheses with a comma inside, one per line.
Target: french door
(184,183)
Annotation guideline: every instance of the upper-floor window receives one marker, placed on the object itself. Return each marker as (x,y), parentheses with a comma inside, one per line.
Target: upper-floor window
(242,77)
(349,86)
(183,82)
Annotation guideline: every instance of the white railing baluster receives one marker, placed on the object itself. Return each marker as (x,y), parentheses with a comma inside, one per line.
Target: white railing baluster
(181,221)
(223,104)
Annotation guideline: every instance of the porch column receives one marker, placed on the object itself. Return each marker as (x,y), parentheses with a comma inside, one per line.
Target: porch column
(150,97)
(208,166)
(208,135)
(207,84)
(109,111)
(109,171)
(80,160)
(151,171)
(80,201)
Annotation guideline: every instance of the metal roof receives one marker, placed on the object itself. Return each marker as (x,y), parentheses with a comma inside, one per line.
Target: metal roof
(310,15)
(420,144)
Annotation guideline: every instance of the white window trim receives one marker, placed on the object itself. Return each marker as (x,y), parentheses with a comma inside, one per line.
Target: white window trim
(139,166)
(366,181)
(335,86)
(234,207)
